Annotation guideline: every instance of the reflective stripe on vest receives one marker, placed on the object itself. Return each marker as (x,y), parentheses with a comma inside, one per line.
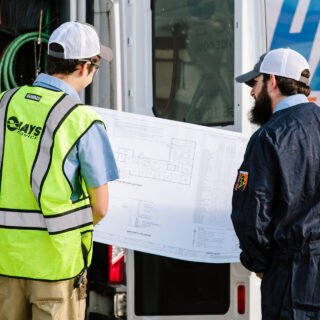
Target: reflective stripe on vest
(3,108)
(42,162)
(54,224)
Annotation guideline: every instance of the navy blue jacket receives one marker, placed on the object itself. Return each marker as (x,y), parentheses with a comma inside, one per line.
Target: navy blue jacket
(276,212)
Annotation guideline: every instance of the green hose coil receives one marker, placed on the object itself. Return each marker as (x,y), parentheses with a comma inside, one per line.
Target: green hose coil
(6,63)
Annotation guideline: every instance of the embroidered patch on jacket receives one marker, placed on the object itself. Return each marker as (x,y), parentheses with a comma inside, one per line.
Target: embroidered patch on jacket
(32,96)
(242,181)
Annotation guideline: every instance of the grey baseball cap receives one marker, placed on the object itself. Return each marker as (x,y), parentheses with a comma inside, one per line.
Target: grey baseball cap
(283,62)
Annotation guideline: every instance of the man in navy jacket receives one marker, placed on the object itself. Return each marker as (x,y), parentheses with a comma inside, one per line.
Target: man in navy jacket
(276,197)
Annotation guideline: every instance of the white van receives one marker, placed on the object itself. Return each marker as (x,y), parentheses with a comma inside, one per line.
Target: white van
(186,53)
(178,61)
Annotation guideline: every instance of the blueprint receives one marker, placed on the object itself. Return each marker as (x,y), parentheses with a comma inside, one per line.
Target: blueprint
(173,197)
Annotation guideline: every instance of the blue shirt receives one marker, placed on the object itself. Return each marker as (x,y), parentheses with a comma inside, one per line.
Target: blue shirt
(92,157)
(290,101)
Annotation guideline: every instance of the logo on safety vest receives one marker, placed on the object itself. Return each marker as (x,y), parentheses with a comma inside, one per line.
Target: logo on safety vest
(242,181)
(33,97)
(24,129)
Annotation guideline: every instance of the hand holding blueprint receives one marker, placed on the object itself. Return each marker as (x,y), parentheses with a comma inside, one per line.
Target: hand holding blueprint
(173,197)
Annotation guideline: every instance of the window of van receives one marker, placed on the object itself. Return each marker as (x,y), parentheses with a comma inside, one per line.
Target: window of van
(193,43)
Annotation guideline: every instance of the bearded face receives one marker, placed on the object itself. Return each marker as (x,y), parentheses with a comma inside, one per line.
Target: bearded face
(262,109)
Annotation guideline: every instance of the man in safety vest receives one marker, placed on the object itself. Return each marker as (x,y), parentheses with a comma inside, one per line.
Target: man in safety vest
(55,163)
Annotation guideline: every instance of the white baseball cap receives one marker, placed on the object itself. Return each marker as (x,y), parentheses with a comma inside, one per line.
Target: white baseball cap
(282,62)
(79,41)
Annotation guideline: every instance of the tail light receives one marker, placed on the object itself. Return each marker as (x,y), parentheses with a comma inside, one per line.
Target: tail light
(241,299)
(116,265)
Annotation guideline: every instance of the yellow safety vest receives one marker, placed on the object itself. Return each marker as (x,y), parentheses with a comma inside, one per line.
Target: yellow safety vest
(43,234)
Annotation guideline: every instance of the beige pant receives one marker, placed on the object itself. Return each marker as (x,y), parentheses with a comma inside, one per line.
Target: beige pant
(40,300)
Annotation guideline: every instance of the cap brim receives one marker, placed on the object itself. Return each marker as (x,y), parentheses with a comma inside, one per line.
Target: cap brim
(248,77)
(106,53)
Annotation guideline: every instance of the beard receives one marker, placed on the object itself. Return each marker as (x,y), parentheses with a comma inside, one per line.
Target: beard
(262,109)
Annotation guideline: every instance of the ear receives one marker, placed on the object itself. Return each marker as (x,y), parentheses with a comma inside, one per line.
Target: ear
(83,70)
(273,81)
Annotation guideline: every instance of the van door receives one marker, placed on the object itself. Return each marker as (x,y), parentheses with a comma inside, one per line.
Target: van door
(197,49)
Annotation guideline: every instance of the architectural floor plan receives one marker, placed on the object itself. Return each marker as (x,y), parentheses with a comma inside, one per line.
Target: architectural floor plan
(173,197)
